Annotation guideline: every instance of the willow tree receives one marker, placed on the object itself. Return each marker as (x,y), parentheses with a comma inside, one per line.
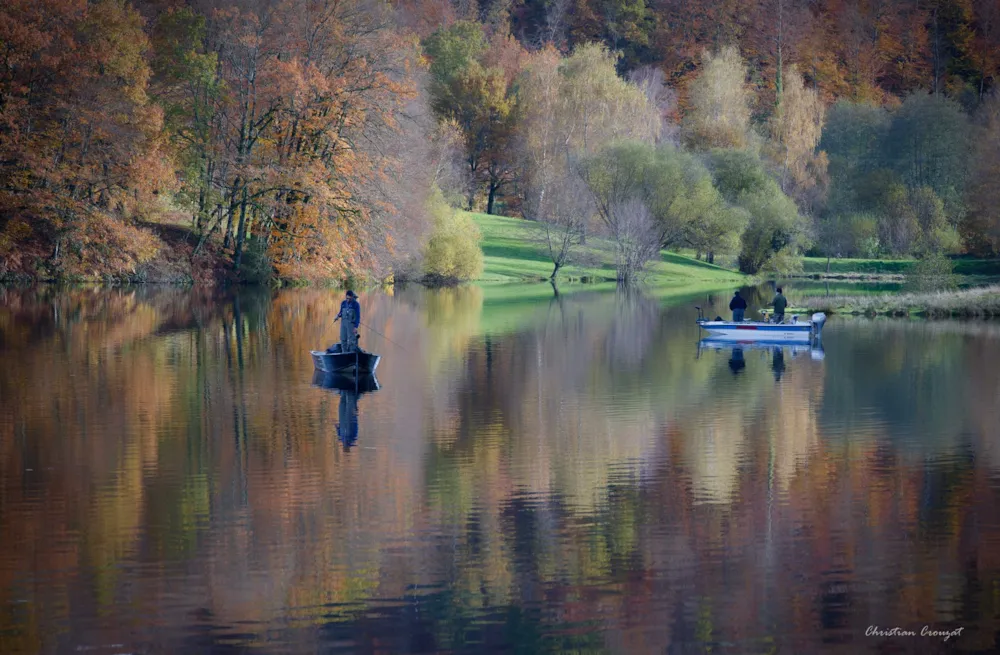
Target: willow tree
(650,198)
(571,108)
(796,129)
(719,114)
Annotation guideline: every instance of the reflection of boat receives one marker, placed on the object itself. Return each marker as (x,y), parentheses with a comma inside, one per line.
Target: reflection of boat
(350,388)
(776,349)
(334,361)
(748,331)
(364,383)
(814,349)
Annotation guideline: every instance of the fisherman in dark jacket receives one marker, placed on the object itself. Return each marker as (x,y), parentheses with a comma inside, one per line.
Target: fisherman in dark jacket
(780,303)
(738,305)
(350,319)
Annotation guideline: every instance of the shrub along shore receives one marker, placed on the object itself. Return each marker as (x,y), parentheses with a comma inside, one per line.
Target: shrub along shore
(977,302)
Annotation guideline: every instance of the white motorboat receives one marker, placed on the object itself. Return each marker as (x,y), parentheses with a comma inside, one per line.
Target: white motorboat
(795,331)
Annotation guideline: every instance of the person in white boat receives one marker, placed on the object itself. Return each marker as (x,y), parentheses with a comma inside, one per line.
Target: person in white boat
(739,306)
(780,303)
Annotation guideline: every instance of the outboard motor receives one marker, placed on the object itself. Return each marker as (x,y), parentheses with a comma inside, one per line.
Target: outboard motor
(818,319)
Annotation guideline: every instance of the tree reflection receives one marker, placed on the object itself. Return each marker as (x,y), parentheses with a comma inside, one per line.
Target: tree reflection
(543,476)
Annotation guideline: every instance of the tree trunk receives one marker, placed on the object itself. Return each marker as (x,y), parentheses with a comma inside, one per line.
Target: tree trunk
(710,257)
(555,270)
(828,264)
(241,234)
(491,199)
(199,217)
(233,202)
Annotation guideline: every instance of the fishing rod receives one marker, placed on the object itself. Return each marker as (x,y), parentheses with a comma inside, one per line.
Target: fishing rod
(383,336)
(378,333)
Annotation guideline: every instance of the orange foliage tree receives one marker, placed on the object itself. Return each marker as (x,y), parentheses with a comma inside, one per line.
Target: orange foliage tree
(307,92)
(80,151)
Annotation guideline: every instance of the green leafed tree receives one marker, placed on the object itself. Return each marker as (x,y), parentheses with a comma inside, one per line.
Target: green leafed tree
(980,227)
(775,232)
(453,253)
(651,197)
(927,145)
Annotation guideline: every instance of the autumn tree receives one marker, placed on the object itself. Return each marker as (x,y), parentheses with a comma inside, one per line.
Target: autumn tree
(985,49)
(80,152)
(772,42)
(719,114)
(980,228)
(867,34)
(796,129)
(472,85)
(950,39)
(553,196)
(571,108)
(187,85)
(300,115)
(623,26)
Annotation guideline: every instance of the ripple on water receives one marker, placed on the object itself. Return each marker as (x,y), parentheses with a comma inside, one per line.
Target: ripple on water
(581,480)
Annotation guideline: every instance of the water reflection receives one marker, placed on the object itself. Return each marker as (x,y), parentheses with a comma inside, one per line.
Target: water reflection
(540,475)
(774,351)
(350,388)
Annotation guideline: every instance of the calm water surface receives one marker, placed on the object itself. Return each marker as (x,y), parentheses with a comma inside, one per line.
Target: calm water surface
(568,474)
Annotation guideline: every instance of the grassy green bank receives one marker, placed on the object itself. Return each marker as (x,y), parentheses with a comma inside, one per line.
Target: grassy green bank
(977,302)
(866,268)
(512,253)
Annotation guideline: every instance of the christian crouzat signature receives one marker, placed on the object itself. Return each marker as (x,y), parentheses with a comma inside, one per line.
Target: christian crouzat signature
(926,631)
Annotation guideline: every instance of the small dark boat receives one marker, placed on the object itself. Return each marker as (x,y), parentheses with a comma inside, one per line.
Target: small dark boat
(334,361)
(364,383)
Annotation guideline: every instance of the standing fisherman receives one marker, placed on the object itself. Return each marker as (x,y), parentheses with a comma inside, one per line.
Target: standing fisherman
(780,303)
(350,318)
(738,305)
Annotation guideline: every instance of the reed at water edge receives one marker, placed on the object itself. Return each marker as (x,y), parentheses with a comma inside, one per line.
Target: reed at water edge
(977,302)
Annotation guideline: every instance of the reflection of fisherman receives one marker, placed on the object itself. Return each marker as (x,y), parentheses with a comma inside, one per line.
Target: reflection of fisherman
(778,363)
(738,305)
(350,315)
(736,362)
(347,427)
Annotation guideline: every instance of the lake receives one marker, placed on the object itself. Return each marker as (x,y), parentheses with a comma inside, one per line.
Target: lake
(535,473)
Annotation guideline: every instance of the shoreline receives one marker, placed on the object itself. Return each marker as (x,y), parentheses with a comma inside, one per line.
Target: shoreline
(974,303)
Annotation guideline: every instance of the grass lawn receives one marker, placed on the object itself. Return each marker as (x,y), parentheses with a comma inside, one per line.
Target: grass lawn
(512,255)
(977,302)
(963,266)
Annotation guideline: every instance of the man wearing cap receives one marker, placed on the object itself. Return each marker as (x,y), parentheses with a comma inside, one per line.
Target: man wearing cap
(780,303)
(738,305)
(350,318)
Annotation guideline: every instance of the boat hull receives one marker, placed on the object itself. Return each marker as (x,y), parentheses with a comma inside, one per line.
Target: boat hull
(363,383)
(756,331)
(360,362)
